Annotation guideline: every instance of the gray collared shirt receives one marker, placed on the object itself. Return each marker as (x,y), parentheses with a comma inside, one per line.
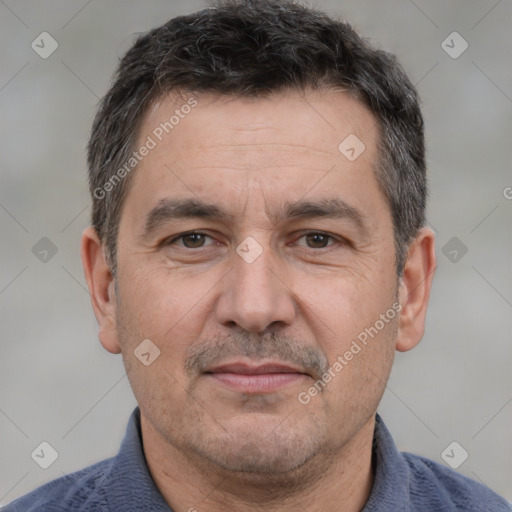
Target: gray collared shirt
(402,482)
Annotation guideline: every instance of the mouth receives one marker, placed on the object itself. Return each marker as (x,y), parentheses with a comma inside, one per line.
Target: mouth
(252,378)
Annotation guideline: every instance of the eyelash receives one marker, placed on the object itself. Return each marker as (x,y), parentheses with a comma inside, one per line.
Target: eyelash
(173,240)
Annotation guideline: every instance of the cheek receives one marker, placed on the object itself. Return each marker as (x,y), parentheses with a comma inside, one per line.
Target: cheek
(157,302)
(167,309)
(351,389)
(355,324)
(153,308)
(340,306)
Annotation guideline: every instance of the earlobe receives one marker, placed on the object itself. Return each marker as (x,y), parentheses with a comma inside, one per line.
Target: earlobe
(415,288)
(101,289)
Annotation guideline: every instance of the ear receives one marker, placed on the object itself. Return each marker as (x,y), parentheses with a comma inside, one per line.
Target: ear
(101,289)
(415,289)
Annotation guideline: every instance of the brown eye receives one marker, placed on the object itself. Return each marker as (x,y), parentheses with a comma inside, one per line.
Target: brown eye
(317,240)
(192,240)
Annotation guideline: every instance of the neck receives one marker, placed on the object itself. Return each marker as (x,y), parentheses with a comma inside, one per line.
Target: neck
(339,480)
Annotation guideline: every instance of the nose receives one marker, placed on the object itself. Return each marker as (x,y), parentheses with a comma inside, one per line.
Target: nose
(255,295)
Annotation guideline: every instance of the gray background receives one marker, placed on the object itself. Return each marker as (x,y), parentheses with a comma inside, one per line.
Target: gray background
(59,385)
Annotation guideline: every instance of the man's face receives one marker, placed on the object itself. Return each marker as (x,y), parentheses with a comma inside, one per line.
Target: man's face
(252,310)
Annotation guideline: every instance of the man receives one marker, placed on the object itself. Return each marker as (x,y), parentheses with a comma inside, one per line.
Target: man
(257,254)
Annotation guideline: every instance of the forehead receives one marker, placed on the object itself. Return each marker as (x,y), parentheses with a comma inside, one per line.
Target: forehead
(289,143)
(305,122)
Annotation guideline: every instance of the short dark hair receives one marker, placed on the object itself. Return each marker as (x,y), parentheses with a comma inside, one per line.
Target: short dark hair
(254,48)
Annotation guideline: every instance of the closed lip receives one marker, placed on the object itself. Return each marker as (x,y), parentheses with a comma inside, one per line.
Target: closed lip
(244,368)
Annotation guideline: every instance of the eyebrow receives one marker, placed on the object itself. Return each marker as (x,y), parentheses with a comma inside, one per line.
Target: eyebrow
(172,209)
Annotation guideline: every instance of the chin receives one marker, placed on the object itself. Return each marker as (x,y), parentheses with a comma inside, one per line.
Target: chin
(255,447)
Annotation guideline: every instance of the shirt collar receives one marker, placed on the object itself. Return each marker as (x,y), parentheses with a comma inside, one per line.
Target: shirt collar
(133,487)
(390,490)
